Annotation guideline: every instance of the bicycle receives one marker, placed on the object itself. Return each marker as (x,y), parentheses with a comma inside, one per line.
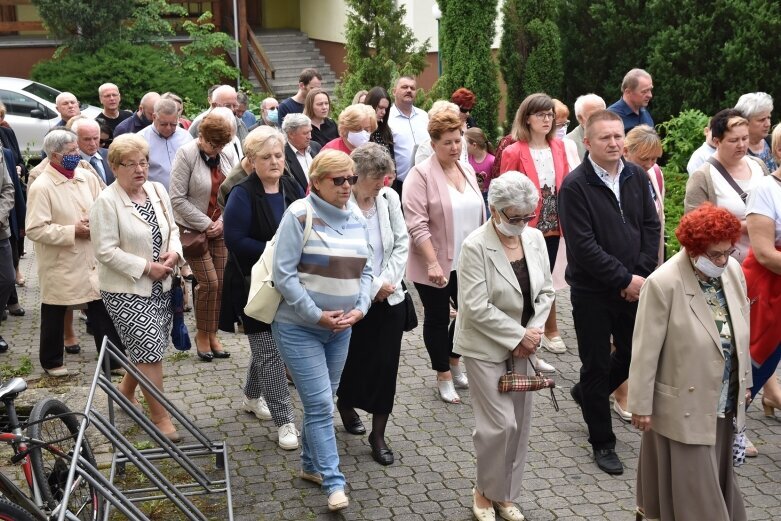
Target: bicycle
(45,456)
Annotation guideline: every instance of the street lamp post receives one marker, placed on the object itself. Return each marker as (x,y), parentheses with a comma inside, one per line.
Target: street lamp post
(437,13)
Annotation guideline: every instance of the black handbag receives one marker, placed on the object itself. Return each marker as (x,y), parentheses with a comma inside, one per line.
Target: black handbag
(411,317)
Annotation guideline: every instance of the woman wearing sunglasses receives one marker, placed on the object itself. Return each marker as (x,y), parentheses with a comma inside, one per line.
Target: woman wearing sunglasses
(543,158)
(325,282)
(443,204)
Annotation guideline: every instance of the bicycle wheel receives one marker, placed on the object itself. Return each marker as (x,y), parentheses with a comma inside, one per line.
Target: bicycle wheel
(51,469)
(10,512)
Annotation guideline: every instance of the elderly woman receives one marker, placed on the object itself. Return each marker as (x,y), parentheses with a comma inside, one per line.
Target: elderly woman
(199,169)
(379,100)
(356,124)
(425,149)
(502,262)
(252,215)
(543,158)
(325,281)
(137,244)
(729,175)
(757,107)
(442,206)
(58,223)
(690,377)
(369,377)
(317,106)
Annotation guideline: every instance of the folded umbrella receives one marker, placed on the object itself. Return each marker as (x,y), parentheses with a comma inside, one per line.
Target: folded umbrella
(179,334)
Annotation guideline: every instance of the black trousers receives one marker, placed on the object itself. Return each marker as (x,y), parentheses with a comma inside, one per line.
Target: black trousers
(7,273)
(53,328)
(597,318)
(437,329)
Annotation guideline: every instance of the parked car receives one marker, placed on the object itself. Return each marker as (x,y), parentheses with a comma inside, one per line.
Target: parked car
(31,112)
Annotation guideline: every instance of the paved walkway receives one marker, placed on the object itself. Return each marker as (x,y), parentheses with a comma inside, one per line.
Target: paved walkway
(435,467)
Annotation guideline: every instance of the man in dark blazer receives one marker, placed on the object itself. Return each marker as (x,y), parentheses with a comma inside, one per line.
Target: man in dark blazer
(8,140)
(300,149)
(88,133)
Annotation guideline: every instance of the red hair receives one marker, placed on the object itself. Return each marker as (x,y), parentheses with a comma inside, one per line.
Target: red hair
(464,98)
(706,225)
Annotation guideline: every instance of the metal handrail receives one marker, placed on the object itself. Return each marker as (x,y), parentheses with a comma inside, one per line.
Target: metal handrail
(260,52)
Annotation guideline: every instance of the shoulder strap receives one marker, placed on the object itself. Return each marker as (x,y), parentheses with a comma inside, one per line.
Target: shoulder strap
(718,166)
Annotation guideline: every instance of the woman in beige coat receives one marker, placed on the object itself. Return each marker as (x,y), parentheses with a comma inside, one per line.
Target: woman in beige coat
(505,293)
(690,376)
(58,206)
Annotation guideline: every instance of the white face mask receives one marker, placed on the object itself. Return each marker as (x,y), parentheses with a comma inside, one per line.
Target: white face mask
(510,229)
(708,268)
(561,132)
(357,139)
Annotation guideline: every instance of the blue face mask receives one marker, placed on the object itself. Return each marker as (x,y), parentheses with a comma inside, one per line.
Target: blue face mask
(273,116)
(70,161)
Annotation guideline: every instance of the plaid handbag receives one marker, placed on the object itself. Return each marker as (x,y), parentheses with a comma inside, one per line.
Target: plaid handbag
(517,382)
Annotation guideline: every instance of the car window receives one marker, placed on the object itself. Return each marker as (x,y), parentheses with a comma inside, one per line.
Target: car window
(17,104)
(42,91)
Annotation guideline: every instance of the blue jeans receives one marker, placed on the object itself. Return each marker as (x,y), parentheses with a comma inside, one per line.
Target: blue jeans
(315,358)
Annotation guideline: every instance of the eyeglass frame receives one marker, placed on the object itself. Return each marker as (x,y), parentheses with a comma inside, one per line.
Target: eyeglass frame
(133,166)
(339,181)
(526,219)
(713,257)
(545,115)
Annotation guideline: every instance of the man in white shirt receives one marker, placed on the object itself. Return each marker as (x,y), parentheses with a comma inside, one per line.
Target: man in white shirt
(409,125)
(88,134)
(164,137)
(300,148)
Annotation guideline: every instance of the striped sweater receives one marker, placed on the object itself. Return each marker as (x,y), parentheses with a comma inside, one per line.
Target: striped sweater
(330,272)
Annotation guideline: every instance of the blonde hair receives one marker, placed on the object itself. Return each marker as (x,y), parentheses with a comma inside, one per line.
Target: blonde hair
(261,137)
(351,119)
(441,106)
(775,140)
(643,142)
(327,162)
(124,145)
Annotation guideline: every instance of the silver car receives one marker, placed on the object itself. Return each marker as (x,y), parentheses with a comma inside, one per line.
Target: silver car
(31,112)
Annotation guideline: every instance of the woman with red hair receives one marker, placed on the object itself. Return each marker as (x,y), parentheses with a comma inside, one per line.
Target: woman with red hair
(465,99)
(690,360)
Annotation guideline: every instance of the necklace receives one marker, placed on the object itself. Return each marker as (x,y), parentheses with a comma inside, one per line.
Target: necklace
(370,212)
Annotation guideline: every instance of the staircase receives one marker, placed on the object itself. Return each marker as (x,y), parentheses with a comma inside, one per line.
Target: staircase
(290,52)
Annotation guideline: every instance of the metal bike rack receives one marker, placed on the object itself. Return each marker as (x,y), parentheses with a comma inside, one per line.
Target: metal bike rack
(190,458)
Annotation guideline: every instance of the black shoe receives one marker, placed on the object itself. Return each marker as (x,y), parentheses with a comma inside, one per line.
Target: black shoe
(4,315)
(73,350)
(351,421)
(575,393)
(3,345)
(206,357)
(18,312)
(607,461)
(381,454)
(221,354)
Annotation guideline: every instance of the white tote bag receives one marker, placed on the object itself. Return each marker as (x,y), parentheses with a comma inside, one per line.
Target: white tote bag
(264,298)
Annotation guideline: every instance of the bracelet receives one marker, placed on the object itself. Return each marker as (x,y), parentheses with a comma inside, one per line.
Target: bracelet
(432,266)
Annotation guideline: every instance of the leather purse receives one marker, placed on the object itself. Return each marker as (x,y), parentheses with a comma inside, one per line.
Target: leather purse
(517,382)
(411,316)
(194,243)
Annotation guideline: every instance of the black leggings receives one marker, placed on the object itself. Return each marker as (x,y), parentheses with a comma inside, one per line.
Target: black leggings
(437,329)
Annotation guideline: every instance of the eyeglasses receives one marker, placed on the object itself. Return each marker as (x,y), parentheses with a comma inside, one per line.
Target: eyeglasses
(133,166)
(339,181)
(544,115)
(563,124)
(518,220)
(716,255)
(465,110)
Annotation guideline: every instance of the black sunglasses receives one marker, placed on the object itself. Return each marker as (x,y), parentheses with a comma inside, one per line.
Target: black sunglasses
(518,220)
(339,181)
(465,110)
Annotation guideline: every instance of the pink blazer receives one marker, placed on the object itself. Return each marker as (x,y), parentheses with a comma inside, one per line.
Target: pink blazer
(518,157)
(429,215)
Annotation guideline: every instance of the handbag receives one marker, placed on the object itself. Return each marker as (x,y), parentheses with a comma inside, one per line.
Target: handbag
(517,382)
(264,298)
(194,243)
(411,316)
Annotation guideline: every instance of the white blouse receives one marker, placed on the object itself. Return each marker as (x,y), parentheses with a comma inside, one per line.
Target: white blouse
(728,198)
(468,211)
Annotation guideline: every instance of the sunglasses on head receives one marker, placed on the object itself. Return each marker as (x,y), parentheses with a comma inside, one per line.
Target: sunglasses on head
(518,220)
(339,181)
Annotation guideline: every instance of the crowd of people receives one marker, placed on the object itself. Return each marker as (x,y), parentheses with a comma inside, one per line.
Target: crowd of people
(385,191)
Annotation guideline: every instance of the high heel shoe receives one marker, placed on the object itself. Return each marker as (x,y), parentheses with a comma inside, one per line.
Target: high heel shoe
(769,407)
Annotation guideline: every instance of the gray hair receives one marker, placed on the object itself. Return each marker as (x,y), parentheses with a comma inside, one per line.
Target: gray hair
(83,123)
(226,114)
(295,121)
(372,160)
(632,79)
(263,103)
(260,138)
(513,190)
(441,106)
(754,103)
(172,97)
(107,86)
(166,107)
(242,98)
(587,98)
(62,95)
(56,140)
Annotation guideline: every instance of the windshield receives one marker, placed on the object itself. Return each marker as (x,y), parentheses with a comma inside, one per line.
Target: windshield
(42,91)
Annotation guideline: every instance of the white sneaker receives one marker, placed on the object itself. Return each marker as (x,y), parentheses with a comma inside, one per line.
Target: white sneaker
(459,377)
(257,407)
(288,436)
(544,366)
(554,345)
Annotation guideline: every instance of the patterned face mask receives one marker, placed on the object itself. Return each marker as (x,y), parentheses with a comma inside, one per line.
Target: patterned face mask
(70,161)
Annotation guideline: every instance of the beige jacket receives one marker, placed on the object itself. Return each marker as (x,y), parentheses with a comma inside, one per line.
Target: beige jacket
(191,185)
(123,239)
(677,361)
(490,302)
(35,172)
(67,268)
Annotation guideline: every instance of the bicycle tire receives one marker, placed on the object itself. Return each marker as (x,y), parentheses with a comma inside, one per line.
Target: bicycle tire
(11,512)
(51,470)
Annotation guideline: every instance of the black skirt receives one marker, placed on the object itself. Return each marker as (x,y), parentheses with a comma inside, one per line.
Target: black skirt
(369,377)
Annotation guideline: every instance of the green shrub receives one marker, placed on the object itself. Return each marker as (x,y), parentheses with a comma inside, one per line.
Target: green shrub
(681,136)
(675,190)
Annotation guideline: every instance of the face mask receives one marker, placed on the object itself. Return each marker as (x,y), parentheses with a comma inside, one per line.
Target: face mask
(70,161)
(510,229)
(561,132)
(357,139)
(706,266)
(273,116)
